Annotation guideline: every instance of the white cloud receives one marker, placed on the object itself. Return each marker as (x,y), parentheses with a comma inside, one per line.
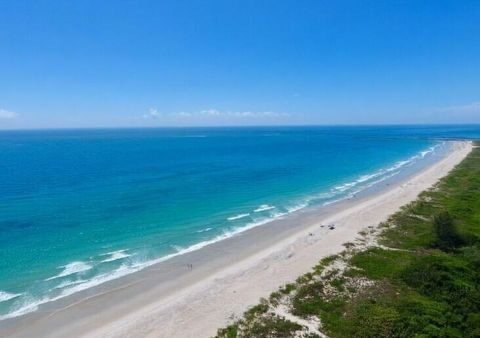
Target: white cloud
(7,115)
(472,108)
(182,114)
(152,114)
(211,114)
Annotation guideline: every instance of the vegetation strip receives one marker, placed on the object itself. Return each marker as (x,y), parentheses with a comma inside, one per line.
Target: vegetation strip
(416,275)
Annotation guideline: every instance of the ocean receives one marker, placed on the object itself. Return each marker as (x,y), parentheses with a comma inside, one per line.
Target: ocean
(82,207)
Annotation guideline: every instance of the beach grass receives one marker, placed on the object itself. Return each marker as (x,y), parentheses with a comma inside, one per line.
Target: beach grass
(416,275)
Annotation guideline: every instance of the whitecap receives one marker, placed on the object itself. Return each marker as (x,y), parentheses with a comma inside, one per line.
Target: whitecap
(4,296)
(368,177)
(233,218)
(429,151)
(71,268)
(345,186)
(401,164)
(115,255)
(296,207)
(264,207)
(204,230)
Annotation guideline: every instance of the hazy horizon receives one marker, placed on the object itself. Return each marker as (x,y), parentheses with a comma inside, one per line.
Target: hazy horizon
(113,128)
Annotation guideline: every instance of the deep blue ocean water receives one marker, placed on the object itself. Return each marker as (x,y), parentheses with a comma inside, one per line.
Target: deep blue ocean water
(81,207)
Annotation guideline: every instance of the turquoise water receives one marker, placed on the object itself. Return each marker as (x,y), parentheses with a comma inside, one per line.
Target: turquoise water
(81,207)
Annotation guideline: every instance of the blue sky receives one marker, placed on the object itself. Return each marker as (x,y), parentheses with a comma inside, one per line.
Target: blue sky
(191,63)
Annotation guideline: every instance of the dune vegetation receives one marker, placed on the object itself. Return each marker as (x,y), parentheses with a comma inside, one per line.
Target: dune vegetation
(416,275)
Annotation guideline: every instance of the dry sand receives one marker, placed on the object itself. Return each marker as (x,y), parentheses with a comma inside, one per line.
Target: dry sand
(211,296)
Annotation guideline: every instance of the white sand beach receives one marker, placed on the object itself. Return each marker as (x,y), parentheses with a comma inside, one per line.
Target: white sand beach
(228,277)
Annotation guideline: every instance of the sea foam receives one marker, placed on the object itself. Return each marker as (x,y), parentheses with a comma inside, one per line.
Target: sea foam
(4,296)
(115,255)
(264,207)
(233,218)
(204,230)
(71,268)
(346,187)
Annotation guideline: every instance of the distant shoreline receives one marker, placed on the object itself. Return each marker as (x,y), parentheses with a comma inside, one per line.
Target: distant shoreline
(197,292)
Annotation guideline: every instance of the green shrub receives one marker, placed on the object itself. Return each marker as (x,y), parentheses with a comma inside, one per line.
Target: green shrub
(447,237)
(230,331)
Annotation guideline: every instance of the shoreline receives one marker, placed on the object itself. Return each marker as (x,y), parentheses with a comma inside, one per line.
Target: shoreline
(237,271)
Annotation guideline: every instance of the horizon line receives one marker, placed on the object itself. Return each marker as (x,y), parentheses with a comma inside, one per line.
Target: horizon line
(241,126)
